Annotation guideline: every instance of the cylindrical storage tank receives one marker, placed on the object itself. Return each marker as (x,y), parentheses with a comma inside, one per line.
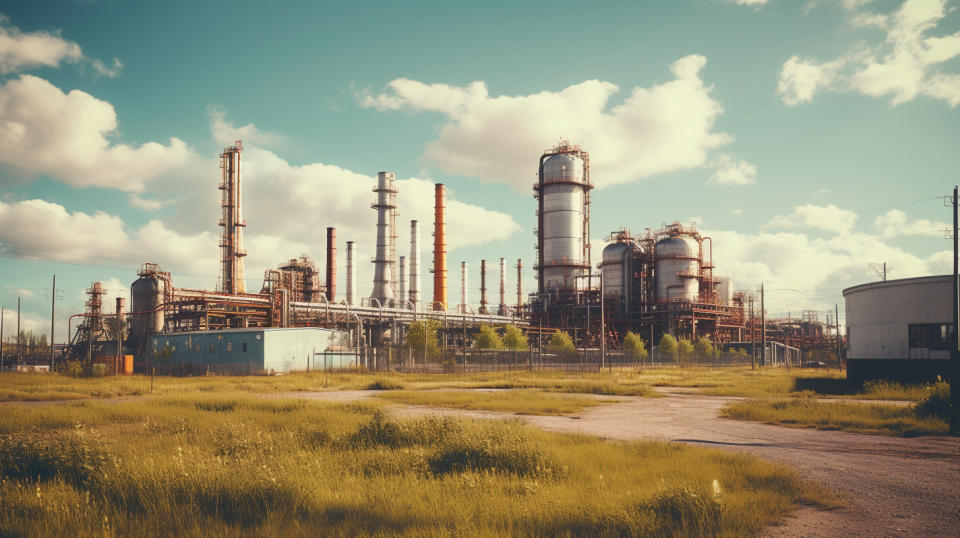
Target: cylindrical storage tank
(615,268)
(146,297)
(676,268)
(564,200)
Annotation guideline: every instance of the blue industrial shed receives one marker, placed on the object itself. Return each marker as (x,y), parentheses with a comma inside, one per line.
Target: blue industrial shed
(253,351)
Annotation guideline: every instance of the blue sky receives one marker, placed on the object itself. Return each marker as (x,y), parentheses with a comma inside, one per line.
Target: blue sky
(809,139)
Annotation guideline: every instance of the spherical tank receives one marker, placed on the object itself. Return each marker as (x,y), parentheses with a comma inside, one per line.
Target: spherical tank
(563,210)
(676,265)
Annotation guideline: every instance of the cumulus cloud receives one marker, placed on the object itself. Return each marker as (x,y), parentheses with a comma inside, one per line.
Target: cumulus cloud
(802,272)
(895,223)
(66,135)
(660,129)
(26,50)
(225,132)
(828,218)
(20,50)
(728,171)
(755,3)
(909,63)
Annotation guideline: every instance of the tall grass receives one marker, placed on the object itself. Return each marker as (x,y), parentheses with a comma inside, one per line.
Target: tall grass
(912,420)
(235,464)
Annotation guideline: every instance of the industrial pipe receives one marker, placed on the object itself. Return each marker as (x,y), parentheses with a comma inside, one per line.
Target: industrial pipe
(483,287)
(502,307)
(415,263)
(463,287)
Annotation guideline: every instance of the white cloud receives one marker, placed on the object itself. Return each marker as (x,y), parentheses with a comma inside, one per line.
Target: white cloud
(727,171)
(45,131)
(111,71)
(909,63)
(19,50)
(801,78)
(737,211)
(828,218)
(895,223)
(755,3)
(664,128)
(26,50)
(225,133)
(19,291)
(801,272)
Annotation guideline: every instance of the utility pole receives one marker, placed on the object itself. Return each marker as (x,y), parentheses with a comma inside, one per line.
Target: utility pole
(836,323)
(53,303)
(763,328)
(753,336)
(3,314)
(19,358)
(603,329)
(955,351)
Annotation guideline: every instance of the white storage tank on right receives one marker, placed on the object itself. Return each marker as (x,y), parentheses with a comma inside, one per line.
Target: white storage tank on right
(676,269)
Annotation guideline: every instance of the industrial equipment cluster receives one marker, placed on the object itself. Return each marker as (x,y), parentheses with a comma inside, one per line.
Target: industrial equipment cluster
(659,282)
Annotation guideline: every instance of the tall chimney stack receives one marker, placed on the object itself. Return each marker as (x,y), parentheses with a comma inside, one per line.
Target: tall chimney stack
(231,242)
(502,307)
(402,282)
(483,287)
(351,275)
(463,287)
(439,252)
(331,264)
(519,285)
(415,264)
(383,262)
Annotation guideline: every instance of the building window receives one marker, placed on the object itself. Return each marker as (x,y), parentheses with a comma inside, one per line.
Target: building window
(243,347)
(931,336)
(229,346)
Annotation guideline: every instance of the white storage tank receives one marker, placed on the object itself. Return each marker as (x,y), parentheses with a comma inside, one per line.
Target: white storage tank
(618,271)
(676,267)
(564,205)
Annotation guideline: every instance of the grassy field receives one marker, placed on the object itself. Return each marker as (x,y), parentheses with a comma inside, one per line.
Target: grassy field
(929,417)
(519,401)
(216,464)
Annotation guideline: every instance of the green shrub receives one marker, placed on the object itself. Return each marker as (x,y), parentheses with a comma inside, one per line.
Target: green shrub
(685,511)
(490,450)
(936,403)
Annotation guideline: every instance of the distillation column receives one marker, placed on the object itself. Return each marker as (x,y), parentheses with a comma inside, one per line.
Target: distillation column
(382,262)
(231,243)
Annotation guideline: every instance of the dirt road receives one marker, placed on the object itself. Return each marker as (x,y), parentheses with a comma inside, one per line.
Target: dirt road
(893,486)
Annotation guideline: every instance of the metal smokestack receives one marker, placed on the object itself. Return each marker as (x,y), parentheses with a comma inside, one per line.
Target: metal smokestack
(483,287)
(502,307)
(519,285)
(351,275)
(463,287)
(415,263)
(402,281)
(383,263)
(439,252)
(331,264)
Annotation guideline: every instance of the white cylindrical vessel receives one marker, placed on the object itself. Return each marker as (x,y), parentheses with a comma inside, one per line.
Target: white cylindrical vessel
(415,263)
(677,269)
(351,275)
(564,204)
(382,262)
(503,286)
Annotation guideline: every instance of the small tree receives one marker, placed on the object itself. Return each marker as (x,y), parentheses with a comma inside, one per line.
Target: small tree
(415,336)
(487,338)
(514,340)
(684,350)
(561,344)
(634,347)
(668,345)
(704,349)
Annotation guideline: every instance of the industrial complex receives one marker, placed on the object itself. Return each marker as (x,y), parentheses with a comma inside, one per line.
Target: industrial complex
(661,281)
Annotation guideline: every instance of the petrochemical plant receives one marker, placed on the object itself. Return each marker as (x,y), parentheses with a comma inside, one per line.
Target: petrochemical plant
(659,282)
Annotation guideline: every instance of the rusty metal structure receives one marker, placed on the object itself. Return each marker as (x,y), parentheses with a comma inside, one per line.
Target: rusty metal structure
(231,201)
(94,334)
(439,251)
